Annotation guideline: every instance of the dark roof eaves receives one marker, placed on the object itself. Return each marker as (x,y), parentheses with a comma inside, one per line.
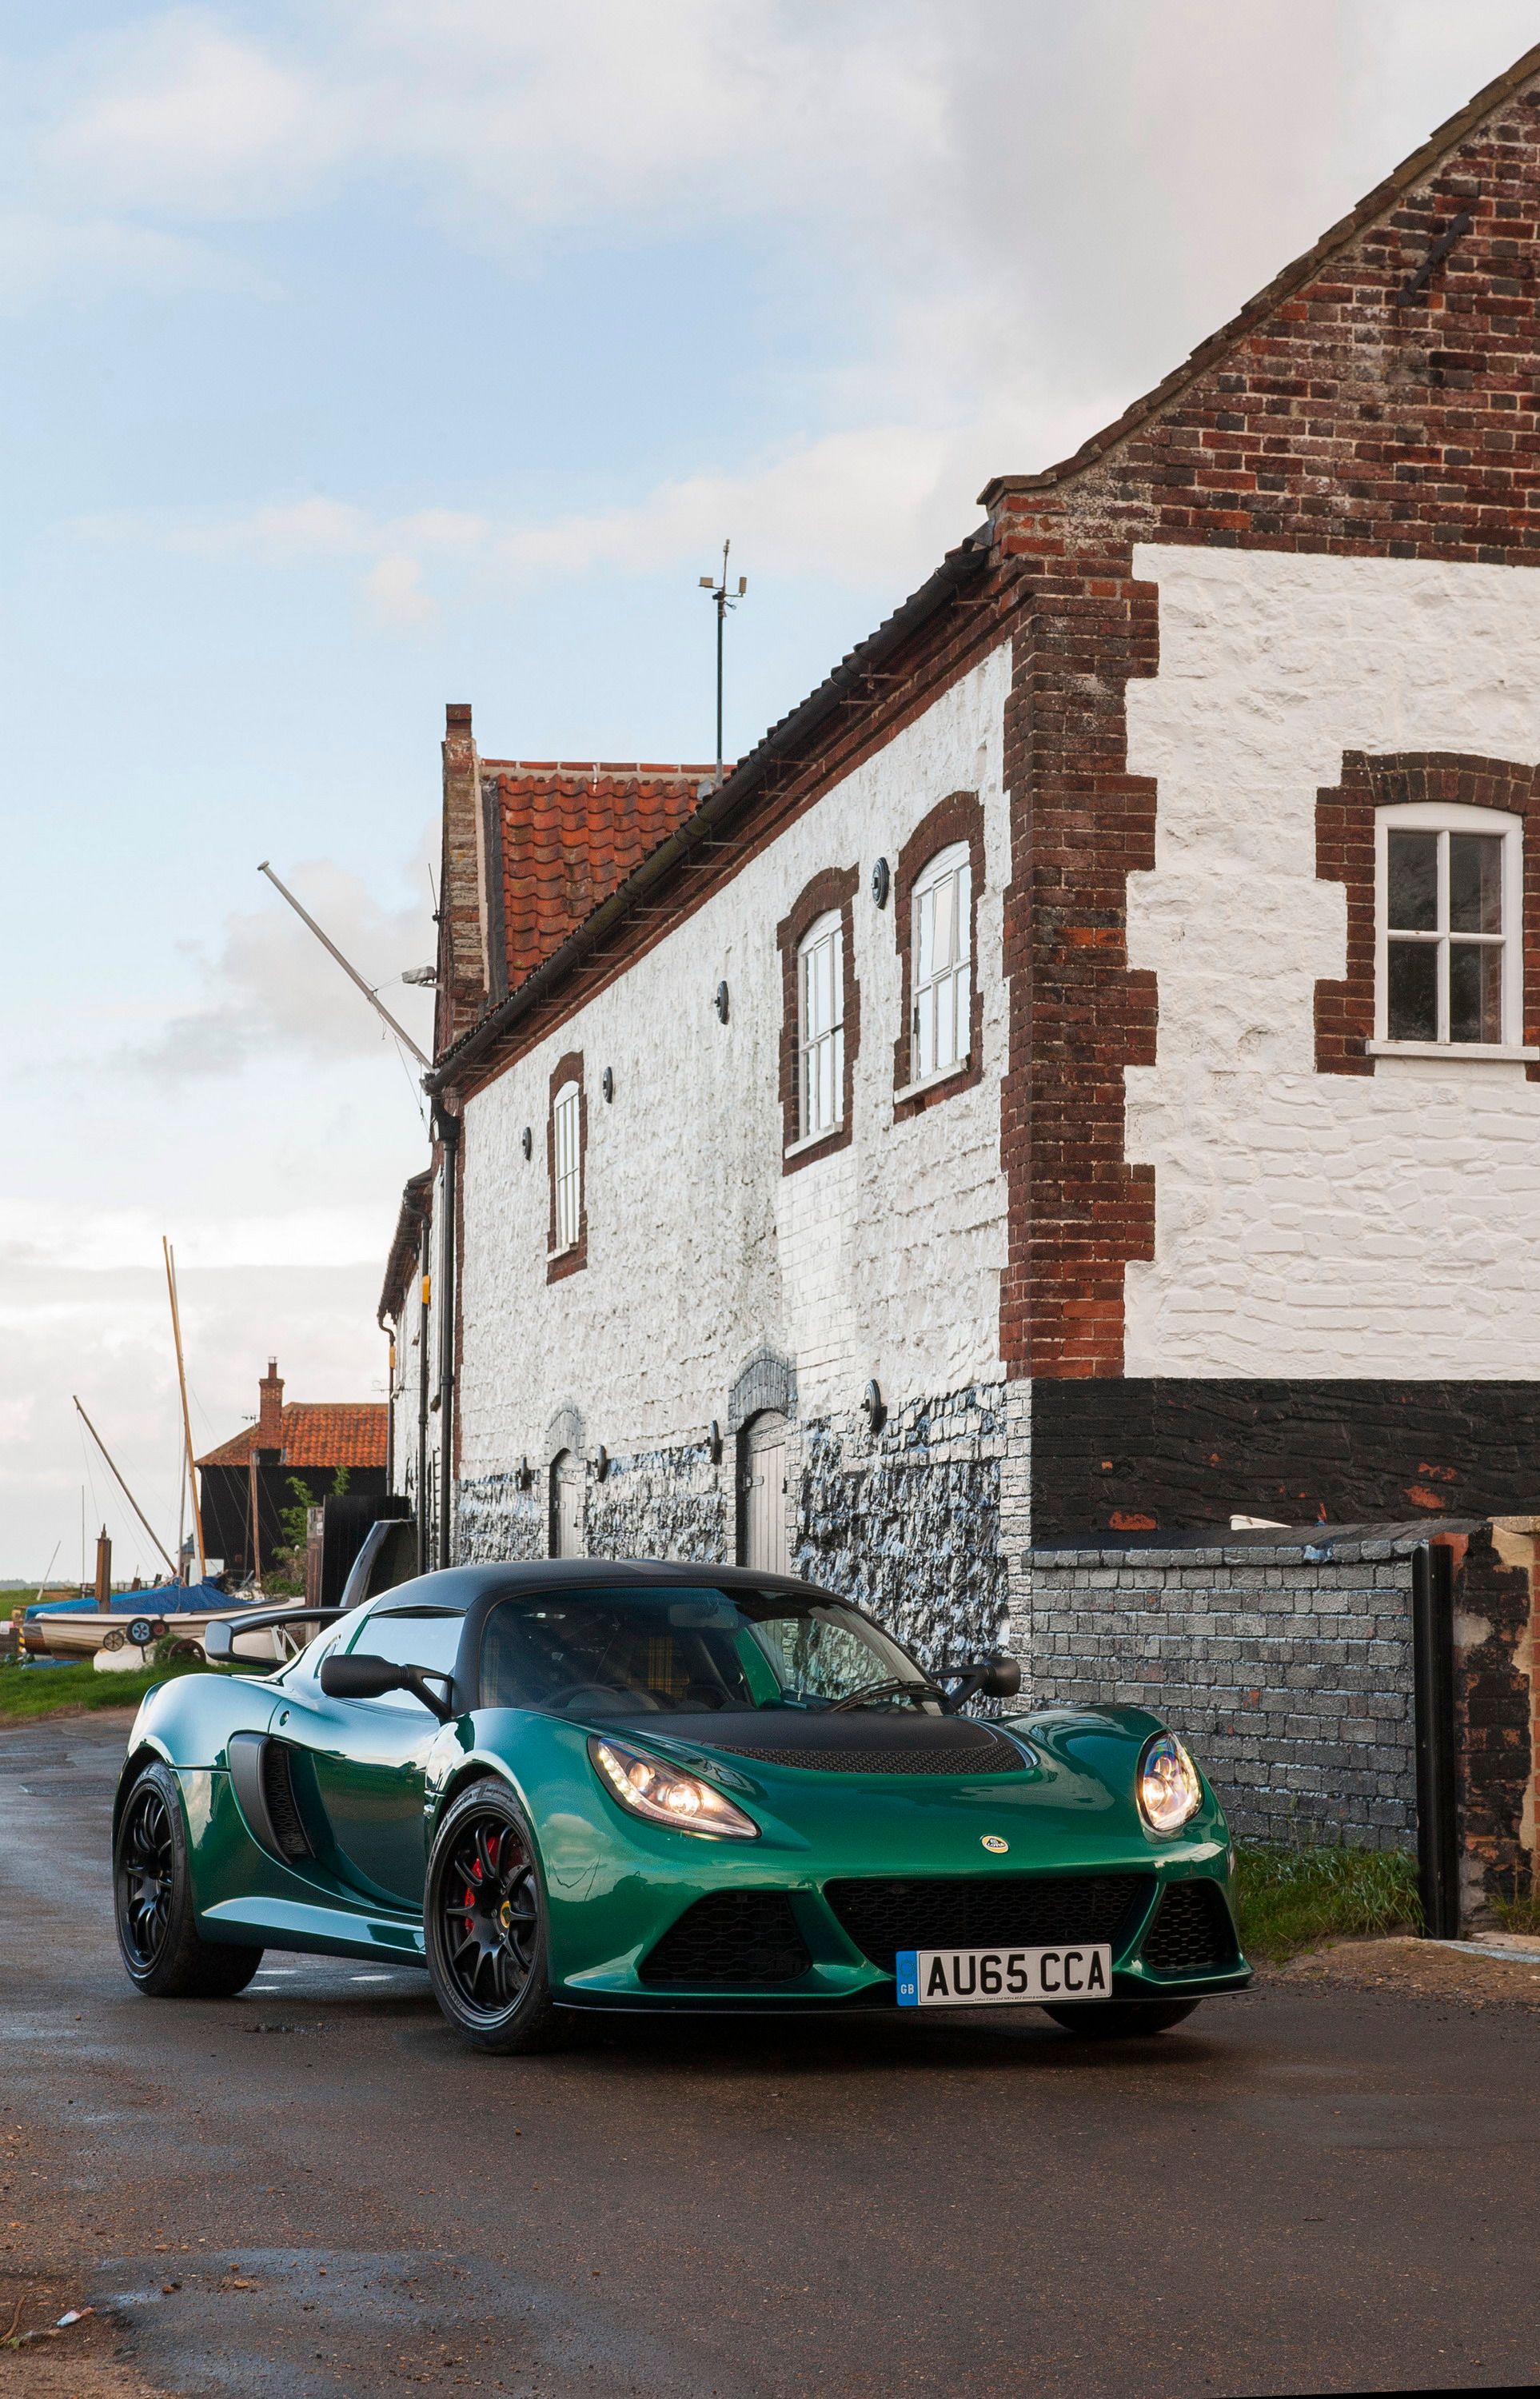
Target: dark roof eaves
(1445,138)
(415,1196)
(719,807)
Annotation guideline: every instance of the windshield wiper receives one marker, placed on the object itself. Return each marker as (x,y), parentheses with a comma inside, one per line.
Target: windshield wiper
(892,1686)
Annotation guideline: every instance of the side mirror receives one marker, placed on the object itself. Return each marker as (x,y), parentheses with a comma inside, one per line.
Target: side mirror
(1004,1679)
(360,1676)
(219,1643)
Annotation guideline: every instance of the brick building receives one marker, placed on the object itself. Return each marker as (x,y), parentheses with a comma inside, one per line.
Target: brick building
(293,1453)
(1077,1077)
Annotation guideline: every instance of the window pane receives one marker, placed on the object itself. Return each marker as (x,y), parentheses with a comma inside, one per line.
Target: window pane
(965,911)
(1413,991)
(1475,991)
(924,937)
(1475,883)
(1414,884)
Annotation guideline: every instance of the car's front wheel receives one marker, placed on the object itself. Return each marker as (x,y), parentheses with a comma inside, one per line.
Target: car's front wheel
(1121,2019)
(157,1932)
(484,1924)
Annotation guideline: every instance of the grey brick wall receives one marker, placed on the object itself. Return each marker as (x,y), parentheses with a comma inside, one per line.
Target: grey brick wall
(1287,1662)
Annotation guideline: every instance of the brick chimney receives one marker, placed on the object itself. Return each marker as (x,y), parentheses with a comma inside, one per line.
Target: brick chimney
(461,886)
(270,1414)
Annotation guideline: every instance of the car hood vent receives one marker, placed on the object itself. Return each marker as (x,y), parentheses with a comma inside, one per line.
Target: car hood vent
(852,1742)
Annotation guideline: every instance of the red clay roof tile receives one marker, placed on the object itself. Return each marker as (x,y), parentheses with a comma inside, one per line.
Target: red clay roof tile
(317,1433)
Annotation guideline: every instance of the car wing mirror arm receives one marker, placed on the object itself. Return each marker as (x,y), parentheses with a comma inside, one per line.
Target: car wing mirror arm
(419,1681)
(998,1677)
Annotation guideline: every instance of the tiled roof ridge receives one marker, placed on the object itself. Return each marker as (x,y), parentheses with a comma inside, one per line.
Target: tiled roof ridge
(1291,278)
(355,1419)
(593,769)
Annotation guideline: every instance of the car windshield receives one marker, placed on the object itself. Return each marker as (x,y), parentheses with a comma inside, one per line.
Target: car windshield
(689,1651)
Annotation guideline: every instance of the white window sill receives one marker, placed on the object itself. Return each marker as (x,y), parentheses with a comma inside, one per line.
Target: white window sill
(811,1140)
(928,1082)
(1500,1051)
(564,1252)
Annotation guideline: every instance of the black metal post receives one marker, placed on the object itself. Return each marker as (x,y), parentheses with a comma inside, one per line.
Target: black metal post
(721,620)
(448,1134)
(425,1268)
(1433,1676)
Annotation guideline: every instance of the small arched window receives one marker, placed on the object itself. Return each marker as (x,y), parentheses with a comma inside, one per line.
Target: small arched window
(567,1154)
(942,951)
(820,1026)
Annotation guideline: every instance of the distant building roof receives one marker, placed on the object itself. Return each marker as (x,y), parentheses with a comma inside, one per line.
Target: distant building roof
(568,832)
(314,1433)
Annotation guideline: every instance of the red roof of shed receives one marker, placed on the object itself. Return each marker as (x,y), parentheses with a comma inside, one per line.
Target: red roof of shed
(316,1433)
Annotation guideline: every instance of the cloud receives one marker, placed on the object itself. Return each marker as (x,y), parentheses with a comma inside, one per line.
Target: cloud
(268,986)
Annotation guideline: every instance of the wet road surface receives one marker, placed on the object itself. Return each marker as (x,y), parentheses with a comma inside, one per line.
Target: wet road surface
(1301,2191)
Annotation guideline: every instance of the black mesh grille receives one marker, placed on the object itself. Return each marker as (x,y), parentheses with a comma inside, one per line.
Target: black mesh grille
(985,1911)
(731,1937)
(283,1813)
(991,1755)
(1191,1929)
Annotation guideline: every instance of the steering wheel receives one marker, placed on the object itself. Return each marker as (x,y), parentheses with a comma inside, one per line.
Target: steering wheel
(618,1703)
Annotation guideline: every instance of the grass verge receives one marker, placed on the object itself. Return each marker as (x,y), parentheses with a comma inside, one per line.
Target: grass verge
(1294,1899)
(27,1691)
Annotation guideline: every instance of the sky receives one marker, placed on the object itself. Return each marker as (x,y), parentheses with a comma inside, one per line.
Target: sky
(368,354)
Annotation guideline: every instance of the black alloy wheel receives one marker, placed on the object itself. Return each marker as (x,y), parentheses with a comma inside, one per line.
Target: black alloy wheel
(484,1924)
(1121,2019)
(153,1907)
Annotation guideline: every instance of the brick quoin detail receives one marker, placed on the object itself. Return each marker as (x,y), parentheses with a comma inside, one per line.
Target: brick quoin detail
(958,817)
(1328,417)
(1344,853)
(835,887)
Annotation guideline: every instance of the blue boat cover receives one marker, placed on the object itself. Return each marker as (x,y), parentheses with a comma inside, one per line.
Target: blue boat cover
(161,1599)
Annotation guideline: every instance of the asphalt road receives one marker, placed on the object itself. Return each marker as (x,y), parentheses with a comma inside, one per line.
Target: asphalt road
(1301,2193)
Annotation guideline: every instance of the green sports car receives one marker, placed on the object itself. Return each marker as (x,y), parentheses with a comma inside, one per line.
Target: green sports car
(582,1785)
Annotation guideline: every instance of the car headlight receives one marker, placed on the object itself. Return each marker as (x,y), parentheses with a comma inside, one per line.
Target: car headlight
(1168,1789)
(666,1795)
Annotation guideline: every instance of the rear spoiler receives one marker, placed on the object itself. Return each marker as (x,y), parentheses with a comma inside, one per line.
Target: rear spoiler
(218,1636)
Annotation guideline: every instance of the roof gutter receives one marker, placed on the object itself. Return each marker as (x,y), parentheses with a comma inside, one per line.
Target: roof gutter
(726,801)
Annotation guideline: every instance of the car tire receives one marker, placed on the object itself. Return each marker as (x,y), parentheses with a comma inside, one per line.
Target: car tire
(1121,2019)
(485,1925)
(152,1903)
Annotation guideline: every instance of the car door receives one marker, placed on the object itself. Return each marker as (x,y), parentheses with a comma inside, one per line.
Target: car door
(367,1757)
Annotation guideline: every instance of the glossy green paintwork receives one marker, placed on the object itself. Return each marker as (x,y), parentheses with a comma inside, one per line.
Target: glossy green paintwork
(373,1779)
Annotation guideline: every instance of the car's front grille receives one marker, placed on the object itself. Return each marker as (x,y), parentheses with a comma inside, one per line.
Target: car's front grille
(730,1937)
(992,1755)
(1192,1931)
(985,1911)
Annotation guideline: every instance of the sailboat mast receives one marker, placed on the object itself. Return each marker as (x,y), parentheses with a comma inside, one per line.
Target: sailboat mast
(186,1418)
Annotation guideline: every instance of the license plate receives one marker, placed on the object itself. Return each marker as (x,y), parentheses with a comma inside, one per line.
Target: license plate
(1003,1978)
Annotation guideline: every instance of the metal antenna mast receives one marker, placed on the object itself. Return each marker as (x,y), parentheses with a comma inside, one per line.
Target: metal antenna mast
(352,972)
(724,600)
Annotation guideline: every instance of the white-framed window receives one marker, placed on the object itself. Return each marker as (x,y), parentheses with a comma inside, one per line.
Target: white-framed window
(941,964)
(567,1155)
(820,1026)
(1448,914)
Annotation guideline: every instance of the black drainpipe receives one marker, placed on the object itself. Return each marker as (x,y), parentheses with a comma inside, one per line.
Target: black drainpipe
(1433,1672)
(448,1134)
(424,1267)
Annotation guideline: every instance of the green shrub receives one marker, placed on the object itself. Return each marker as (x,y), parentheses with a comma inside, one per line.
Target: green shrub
(1292,1899)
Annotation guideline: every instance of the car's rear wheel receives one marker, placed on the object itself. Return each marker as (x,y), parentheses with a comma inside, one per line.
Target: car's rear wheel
(165,1954)
(1121,2019)
(484,1924)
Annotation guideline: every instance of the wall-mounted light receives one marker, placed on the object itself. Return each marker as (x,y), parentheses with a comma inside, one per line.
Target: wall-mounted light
(526,1142)
(880,882)
(607,1085)
(600,1463)
(873,1407)
(525,1475)
(722,1001)
(713,1442)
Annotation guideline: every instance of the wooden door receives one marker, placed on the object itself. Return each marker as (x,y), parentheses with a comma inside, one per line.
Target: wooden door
(762,1493)
(567,1506)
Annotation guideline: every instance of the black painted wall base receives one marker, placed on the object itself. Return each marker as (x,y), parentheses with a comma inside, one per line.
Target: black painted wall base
(1176,1453)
